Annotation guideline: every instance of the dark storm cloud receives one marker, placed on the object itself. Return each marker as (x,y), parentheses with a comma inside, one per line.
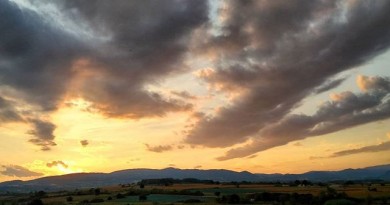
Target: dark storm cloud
(158,148)
(384,146)
(105,52)
(18,171)
(84,143)
(56,163)
(35,56)
(276,58)
(344,111)
(149,42)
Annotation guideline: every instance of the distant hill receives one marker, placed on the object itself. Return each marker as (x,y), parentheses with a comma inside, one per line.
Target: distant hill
(89,180)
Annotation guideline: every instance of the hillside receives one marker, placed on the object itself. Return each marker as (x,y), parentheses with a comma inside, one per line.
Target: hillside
(88,180)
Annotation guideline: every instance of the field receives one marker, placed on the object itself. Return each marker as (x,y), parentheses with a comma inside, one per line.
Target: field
(195,193)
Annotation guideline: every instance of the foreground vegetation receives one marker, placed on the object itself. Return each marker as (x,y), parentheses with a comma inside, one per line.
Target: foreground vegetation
(191,191)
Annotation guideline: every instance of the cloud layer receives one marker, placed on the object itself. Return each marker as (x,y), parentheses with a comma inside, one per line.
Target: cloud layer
(104,52)
(267,55)
(274,61)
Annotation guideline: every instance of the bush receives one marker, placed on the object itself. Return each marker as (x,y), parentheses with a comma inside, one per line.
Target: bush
(120,196)
(190,201)
(69,199)
(142,197)
(35,202)
(96,200)
(339,202)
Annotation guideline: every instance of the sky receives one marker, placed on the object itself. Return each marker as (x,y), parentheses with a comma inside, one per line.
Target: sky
(267,86)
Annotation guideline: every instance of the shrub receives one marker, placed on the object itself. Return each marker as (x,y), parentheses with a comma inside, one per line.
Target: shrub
(35,202)
(339,202)
(69,198)
(142,197)
(97,200)
(120,196)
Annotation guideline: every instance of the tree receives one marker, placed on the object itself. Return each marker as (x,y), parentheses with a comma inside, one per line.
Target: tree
(120,196)
(234,199)
(69,198)
(40,194)
(142,197)
(217,193)
(97,191)
(35,202)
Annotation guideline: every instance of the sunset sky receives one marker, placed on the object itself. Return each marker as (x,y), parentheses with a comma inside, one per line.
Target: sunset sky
(264,86)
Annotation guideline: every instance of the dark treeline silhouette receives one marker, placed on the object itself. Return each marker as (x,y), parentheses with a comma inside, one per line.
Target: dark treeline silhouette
(171,181)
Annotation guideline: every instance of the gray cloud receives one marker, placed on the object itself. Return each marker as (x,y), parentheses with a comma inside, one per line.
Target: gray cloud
(43,134)
(384,146)
(106,53)
(184,95)
(84,143)
(328,85)
(56,163)
(344,111)
(278,60)
(18,171)
(158,148)
(7,112)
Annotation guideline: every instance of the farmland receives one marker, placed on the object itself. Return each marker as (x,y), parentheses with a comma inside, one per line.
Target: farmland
(359,193)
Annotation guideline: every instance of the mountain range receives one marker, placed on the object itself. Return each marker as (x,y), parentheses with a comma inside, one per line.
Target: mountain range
(89,180)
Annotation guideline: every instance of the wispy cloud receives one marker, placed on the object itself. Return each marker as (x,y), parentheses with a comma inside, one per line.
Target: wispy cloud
(384,146)
(158,148)
(57,163)
(18,171)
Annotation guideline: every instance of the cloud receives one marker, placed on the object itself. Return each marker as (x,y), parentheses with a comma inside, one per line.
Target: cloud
(43,133)
(158,148)
(328,85)
(198,167)
(366,83)
(7,112)
(84,143)
(384,146)
(65,49)
(184,95)
(56,163)
(298,144)
(18,171)
(345,110)
(275,61)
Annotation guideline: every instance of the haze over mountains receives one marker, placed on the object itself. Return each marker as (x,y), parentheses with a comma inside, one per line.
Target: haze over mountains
(89,180)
